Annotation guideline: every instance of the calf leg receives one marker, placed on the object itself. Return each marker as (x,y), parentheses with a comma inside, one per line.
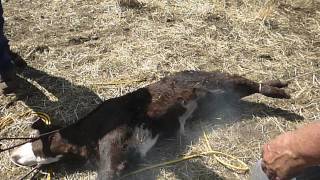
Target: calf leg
(244,87)
(277,83)
(273,92)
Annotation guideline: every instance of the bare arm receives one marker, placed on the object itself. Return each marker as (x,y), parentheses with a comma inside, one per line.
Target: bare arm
(291,152)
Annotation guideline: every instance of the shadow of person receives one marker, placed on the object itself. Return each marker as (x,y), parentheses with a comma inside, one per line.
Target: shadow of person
(263,110)
(63,101)
(199,171)
(56,96)
(234,111)
(202,172)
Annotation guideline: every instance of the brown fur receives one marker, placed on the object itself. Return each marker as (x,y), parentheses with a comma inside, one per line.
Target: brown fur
(181,86)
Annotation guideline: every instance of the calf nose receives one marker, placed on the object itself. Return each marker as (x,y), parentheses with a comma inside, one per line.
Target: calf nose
(15,158)
(23,155)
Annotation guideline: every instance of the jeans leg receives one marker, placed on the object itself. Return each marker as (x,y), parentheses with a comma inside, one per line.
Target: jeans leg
(311,173)
(256,172)
(5,59)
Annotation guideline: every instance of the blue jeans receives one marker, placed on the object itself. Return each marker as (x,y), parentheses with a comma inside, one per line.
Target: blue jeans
(5,59)
(311,173)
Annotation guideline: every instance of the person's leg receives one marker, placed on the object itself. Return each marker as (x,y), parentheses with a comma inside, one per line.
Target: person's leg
(5,60)
(256,172)
(7,70)
(311,173)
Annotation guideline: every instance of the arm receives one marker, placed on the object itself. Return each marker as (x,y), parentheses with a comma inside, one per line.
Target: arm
(291,152)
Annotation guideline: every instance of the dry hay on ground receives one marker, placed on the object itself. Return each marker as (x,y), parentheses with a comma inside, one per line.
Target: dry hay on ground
(84,51)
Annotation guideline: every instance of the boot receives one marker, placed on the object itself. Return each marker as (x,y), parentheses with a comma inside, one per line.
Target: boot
(8,81)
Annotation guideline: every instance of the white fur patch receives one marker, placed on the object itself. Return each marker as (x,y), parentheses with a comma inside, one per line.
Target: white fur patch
(48,160)
(145,140)
(24,156)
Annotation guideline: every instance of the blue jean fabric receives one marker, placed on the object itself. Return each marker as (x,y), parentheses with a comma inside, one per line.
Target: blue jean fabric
(311,173)
(5,59)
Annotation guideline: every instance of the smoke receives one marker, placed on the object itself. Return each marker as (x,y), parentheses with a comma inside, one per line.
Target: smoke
(222,106)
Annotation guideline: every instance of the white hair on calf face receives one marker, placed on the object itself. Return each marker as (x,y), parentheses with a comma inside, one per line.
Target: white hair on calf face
(25,156)
(48,160)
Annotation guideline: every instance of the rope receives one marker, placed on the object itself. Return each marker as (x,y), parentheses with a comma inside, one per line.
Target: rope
(244,167)
(5,122)
(184,159)
(44,117)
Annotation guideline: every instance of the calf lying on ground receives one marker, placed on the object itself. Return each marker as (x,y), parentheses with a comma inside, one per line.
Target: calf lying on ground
(127,127)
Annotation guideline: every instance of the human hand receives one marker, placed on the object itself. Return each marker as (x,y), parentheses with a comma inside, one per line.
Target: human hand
(281,157)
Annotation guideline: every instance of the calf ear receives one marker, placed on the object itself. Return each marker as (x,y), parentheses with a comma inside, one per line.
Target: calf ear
(39,124)
(42,127)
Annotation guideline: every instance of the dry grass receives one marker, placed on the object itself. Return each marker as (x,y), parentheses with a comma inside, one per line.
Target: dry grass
(77,47)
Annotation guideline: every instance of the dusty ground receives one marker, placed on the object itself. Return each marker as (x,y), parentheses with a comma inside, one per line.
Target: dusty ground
(81,52)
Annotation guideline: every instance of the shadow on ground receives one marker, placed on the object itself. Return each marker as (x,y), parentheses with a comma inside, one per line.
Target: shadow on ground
(63,101)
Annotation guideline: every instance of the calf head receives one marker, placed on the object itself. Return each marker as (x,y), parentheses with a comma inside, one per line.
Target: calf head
(49,145)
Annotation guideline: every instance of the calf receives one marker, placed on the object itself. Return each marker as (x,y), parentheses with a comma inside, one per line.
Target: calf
(125,128)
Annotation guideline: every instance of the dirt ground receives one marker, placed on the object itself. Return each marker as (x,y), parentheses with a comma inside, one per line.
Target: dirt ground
(80,52)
